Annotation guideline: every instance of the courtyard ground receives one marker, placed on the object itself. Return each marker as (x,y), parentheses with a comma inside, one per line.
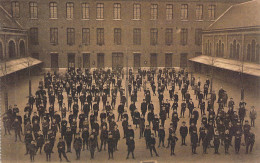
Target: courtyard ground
(14,151)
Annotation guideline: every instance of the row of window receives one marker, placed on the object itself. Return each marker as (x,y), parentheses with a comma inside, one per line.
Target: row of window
(53,11)
(252,54)
(12,52)
(117,36)
(116,57)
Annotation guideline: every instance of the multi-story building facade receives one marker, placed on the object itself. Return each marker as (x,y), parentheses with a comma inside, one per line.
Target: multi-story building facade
(111,33)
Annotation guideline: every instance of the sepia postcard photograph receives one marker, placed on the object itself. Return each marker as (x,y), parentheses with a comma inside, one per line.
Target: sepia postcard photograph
(130,81)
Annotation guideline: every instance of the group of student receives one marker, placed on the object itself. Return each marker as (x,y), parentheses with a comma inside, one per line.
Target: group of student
(66,108)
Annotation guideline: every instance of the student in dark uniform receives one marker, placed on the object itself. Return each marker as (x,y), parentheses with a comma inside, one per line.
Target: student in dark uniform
(77,145)
(216,142)
(61,149)
(161,135)
(110,145)
(147,135)
(183,133)
(151,145)
(48,150)
(116,136)
(92,145)
(194,141)
(206,141)
(27,140)
(226,141)
(130,147)
(237,141)
(142,126)
(32,150)
(39,141)
(103,138)
(17,126)
(85,137)
(183,108)
(68,138)
(173,140)
(250,141)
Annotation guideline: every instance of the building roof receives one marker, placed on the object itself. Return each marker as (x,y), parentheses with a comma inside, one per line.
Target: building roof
(241,15)
(6,20)
(14,65)
(232,65)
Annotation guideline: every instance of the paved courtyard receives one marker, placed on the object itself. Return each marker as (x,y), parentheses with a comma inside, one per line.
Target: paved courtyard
(14,151)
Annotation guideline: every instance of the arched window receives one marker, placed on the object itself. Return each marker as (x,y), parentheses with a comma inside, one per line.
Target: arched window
(257,53)
(22,49)
(1,51)
(234,49)
(217,50)
(206,49)
(210,49)
(237,51)
(231,51)
(11,48)
(253,59)
(222,49)
(248,54)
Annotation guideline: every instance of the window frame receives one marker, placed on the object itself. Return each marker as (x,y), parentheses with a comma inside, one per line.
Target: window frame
(70,36)
(33,10)
(69,10)
(184,36)
(212,12)
(86,36)
(53,10)
(137,36)
(199,12)
(154,36)
(85,11)
(34,36)
(54,34)
(168,36)
(100,11)
(117,11)
(169,12)
(184,12)
(100,36)
(154,12)
(117,36)
(136,11)
(15,9)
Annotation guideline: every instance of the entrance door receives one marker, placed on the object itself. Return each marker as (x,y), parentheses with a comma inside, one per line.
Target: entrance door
(183,61)
(100,60)
(54,60)
(86,60)
(168,60)
(137,60)
(153,60)
(71,60)
(117,60)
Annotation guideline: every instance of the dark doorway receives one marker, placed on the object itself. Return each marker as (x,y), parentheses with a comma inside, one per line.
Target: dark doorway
(153,60)
(71,60)
(22,49)
(54,60)
(137,60)
(86,60)
(183,59)
(11,47)
(117,60)
(168,60)
(100,60)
